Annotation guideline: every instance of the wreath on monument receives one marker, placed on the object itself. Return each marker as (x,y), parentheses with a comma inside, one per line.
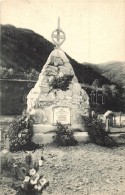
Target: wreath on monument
(62,82)
(20,133)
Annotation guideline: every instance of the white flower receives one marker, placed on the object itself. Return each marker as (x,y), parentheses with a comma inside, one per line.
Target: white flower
(36,187)
(40,163)
(39,187)
(33,181)
(43,182)
(27,178)
(32,172)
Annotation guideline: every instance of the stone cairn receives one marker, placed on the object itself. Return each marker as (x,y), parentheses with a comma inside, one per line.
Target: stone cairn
(46,96)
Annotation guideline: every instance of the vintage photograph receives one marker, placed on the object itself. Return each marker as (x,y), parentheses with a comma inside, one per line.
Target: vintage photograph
(62,97)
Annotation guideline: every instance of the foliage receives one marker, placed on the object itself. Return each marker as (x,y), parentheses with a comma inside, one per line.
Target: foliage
(29,177)
(17,92)
(64,136)
(33,75)
(26,177)
(106,90)
(114,90)
(62,82)
(6,73)
(20,133)
(97,132)
(96,83)
(114,71)
(6,158)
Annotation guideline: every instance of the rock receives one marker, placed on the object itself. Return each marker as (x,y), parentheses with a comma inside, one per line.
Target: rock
(51,71)
(107,181)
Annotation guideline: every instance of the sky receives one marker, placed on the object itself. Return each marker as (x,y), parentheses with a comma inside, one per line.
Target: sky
(95,29)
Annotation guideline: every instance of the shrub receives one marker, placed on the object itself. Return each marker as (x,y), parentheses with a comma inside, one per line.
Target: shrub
(64,136)
(97,133)
(6,158)
(20,133)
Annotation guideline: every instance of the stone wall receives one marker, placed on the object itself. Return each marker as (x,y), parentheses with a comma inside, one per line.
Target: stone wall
(44,97)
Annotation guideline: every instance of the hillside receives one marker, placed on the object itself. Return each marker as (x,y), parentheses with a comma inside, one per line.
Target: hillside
(23,50)
(23,54)
(114,71)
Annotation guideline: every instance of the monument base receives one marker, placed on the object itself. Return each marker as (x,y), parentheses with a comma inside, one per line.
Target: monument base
(47,128)
(44,134)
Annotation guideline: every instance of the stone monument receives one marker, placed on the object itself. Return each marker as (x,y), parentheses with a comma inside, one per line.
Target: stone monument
(57,96)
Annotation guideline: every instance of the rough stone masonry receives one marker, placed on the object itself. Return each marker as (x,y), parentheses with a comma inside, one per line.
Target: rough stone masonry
(49,105)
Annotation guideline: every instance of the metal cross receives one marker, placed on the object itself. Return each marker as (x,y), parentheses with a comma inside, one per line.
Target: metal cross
(58,36)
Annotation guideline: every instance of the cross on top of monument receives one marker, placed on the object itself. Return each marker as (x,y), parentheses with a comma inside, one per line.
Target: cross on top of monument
(58,36)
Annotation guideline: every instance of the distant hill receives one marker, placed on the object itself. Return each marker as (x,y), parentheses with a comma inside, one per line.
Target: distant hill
(23,50)
(23,55)
(114,71)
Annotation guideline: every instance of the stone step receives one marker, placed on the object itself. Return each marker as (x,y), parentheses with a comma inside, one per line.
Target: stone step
(119,137)
(41,128)
(47,138)
(117,130)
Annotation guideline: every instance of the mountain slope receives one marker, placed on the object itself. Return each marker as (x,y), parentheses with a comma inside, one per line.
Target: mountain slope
(114,71)
(23,49)
(23,52)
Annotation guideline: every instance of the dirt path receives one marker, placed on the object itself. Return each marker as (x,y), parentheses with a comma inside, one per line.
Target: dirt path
(86,169)
(83,170)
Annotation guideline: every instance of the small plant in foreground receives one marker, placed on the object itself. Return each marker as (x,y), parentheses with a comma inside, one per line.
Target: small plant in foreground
(7,160)
(33,183)
(31,180)
(97,133)
(64,136)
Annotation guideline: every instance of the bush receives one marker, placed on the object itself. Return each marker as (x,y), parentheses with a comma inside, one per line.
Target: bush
(97,133)
(7,160)
(64,137)
(20,133)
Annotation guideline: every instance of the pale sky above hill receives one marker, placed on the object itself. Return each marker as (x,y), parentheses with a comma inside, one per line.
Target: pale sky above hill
(95,29)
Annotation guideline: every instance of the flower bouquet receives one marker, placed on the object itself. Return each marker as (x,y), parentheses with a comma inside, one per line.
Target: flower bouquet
(32,182)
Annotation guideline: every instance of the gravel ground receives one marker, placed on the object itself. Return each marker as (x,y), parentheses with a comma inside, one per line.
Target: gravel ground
(82,170)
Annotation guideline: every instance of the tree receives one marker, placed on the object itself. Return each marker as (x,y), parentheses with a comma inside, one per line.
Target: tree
(11,72)
(33,75)
(106,90)
(96,83)
(3,72)
(114,90)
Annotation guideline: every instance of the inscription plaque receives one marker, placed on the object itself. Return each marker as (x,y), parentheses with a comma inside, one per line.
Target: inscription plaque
(62,115)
